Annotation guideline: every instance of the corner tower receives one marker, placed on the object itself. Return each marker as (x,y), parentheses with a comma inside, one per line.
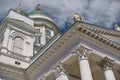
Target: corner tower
(45,26)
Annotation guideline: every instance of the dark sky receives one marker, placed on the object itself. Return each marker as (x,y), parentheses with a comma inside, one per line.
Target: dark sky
(99,12)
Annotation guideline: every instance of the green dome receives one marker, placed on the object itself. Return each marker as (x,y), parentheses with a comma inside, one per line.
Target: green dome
(39,14)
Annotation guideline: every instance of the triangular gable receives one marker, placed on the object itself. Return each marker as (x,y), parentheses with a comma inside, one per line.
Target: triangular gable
(63,45)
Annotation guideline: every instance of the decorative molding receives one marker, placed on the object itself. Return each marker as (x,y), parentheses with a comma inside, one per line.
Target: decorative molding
(106,64)
(15,55)
(82,52)
(98,37)
(104,31)
(17,75)
(60,43)
(59,70)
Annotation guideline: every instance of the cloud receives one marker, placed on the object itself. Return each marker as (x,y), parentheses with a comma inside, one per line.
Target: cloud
(99,12)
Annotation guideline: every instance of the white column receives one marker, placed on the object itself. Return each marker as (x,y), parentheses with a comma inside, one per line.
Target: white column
(109,75)
(84,64)
(43,40)
(60,73)
(106,65)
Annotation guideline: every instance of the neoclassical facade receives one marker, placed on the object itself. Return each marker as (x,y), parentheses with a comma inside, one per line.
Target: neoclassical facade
(32,48)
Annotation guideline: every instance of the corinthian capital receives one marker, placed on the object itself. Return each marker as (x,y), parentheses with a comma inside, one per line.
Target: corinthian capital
(106,63)
(83,52)
(59,70)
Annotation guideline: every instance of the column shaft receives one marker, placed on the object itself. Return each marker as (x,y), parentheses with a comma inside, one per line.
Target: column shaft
(85,70)
(109,75)
(84,63)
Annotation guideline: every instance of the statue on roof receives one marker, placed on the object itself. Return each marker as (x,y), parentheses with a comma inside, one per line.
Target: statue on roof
(117,27)
(38,7)
(77,17)
(19,8)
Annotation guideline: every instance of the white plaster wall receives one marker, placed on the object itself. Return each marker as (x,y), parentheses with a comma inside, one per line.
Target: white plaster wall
(29,46)
(43,41)
(9,34)
(5,40)
(11,61)
(17,16)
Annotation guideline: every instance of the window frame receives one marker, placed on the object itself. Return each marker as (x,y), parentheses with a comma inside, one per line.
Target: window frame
(15,45)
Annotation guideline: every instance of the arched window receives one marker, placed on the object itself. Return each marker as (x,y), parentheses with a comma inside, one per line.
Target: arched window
(18,45)
(48,33)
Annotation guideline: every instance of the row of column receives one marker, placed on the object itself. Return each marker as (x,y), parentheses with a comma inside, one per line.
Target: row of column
(83,52)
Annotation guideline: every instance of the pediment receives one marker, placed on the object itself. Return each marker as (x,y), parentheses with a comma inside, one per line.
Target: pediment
(66,44)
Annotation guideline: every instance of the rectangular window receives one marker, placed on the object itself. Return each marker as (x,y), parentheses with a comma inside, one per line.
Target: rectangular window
(17,63)
(38,39)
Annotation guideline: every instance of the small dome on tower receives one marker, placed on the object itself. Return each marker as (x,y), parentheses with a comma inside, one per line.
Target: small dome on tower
(40,18)
(45,28)
(39,14)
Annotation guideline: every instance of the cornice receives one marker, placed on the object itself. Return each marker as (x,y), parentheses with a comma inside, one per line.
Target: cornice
(11,71)
(98,37)
(21,24)
(101,30)
(51,51)
(14,55)
(106,32)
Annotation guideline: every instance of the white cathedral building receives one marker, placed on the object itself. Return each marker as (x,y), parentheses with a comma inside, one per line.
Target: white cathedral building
(32,48)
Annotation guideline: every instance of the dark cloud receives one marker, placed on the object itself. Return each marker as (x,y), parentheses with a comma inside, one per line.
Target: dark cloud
(99,12)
